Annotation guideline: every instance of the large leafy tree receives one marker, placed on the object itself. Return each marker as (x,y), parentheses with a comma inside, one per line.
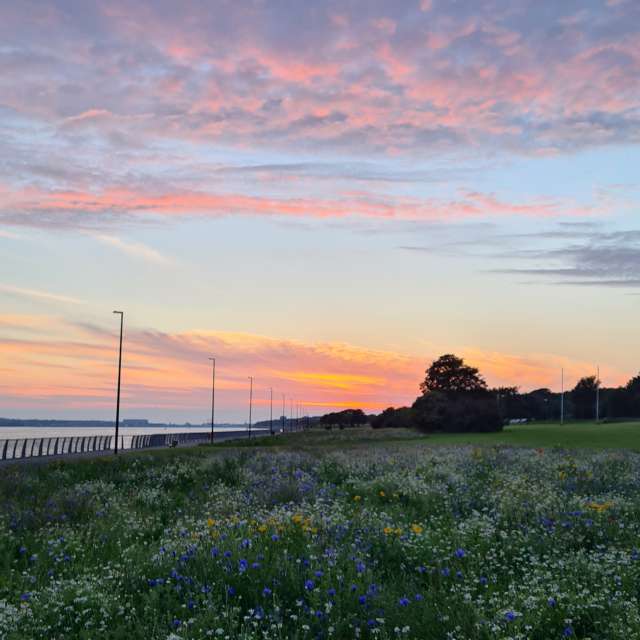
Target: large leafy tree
(449,374)
(455,398)
(584,397)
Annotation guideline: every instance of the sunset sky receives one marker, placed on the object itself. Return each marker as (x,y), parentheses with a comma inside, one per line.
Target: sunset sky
(324,195)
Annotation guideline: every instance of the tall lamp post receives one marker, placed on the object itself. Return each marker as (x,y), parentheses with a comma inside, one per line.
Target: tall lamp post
(250,401)
(598,395)
(271,411)
(213,396)
(562,396)
(121,314)
(284,414)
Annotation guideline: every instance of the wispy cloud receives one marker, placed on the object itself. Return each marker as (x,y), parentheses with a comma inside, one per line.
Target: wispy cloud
(37,294)
(134,249)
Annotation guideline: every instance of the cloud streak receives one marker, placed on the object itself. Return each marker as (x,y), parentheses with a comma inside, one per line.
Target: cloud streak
(37,294)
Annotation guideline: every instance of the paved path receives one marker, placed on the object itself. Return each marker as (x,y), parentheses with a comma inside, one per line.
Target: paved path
(219,437)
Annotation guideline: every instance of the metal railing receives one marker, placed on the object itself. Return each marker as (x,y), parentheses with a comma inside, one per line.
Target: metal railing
(19,448)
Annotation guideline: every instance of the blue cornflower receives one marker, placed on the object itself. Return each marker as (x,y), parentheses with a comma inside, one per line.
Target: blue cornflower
(551,602)
(214,552)
(275,537)
(227,554)
(460,553)
(371,623)
(309,585)
(445,572)
(331,592)
(22,550)
(484,581)
(245,543)
(404,601)
(242,565)
(418,597)
(360,566)
(319,573)
(25,596)
(176,622)
(231,591)
(510,616)
(362,599)
(255,565)
(266,591)
(568,631)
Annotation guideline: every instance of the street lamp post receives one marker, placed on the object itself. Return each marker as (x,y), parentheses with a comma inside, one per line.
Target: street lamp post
(121,314)
(271,411)
(598,395)
(284,416)
(562,396)
(250,401)
(213,396)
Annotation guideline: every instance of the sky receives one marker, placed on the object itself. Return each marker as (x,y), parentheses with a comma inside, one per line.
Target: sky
(323,195)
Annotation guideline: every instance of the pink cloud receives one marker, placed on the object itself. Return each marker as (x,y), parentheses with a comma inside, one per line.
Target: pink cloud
(470,204)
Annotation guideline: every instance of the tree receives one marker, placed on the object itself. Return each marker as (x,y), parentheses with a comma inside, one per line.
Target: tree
(455,398)
(449,374)
(466,411)
(342,419)
(584,397)
(391,418)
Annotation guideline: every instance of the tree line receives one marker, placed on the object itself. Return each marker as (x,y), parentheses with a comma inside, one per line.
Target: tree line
(456,398)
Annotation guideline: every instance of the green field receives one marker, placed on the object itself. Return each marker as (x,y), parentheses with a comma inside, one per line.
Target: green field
(573,435)
(364,534)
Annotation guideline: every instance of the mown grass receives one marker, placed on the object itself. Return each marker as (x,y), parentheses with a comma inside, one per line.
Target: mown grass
(571,435)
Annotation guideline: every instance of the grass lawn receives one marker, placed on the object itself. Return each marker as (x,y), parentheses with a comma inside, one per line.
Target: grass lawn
(573,435)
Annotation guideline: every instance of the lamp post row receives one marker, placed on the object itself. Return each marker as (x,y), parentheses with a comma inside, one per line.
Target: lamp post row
(213,396)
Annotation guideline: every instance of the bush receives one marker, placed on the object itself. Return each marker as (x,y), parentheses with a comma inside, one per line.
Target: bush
(456,412)
(391,418)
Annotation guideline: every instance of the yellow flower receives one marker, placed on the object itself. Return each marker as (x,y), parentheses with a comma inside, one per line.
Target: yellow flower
(388,531)
(600,506)
(262,528)
(357,498)
(398,532)
(297,519)
(211,522)
(416,528)
(562,475)
(382,494)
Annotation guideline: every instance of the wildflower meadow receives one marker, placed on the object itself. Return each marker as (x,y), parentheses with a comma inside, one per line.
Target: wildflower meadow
(396,540)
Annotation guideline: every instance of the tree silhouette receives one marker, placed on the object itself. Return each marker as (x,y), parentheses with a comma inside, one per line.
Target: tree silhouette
(450,374)
(584,397)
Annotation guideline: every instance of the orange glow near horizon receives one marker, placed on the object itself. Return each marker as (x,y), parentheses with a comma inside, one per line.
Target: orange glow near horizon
(75,368)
